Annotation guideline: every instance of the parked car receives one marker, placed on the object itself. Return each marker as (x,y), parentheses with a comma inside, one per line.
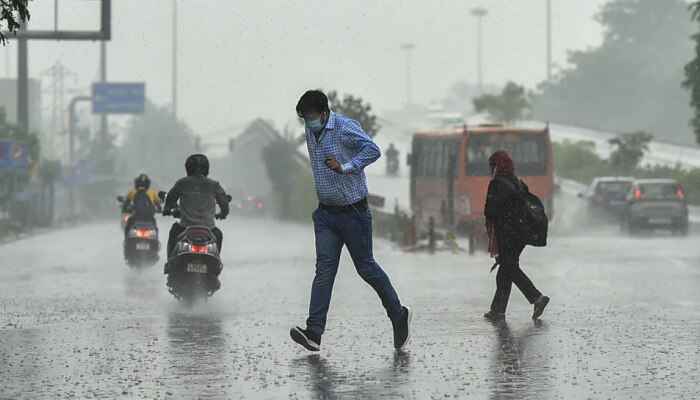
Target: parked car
(655,204)
(605,197)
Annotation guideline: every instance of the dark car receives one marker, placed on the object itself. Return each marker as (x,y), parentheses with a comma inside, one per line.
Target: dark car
(249,205)
(655,204)
(606,197)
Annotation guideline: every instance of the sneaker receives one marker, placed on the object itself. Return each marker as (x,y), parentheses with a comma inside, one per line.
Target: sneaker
(539,307)
(306,338)
(495,316)
(402,329)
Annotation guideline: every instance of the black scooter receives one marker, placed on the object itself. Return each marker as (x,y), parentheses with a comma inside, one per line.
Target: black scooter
(193,264)
(141,243)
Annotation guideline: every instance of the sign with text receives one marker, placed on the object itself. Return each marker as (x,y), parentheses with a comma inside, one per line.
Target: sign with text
(118,98)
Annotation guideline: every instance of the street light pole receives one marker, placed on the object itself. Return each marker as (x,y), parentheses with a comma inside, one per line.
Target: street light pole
(174,61)
(549,40)
(479,13)
(408,47)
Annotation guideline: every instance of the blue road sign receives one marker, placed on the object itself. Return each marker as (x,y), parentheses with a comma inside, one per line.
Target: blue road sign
(14,156)
(118,98)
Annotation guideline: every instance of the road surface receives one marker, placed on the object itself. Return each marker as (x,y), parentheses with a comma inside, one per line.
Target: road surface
(624,321)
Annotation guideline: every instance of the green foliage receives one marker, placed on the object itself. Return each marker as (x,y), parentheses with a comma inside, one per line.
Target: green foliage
(303,200)
(511,105)
(578,161)
(630,149)
(156,143)
(632,81)
(16,132)
(12,14)
(354,108)
(281,165)
(692,75)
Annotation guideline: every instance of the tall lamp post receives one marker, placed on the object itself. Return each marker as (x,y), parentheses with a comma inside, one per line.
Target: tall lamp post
(549,40)
(174,60)
(408,47)
(479,13)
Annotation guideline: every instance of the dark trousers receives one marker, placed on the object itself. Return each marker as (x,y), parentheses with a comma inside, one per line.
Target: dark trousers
(354,231)
(509,273)
(177,229)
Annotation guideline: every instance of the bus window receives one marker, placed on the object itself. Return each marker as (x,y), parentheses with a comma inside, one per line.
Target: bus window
(529,151)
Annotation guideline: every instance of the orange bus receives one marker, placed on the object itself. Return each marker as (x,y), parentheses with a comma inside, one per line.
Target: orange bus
(450,171)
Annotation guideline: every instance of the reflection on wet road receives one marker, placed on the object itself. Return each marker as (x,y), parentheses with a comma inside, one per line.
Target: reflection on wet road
(624,322)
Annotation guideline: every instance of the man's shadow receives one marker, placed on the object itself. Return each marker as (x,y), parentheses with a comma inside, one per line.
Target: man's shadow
(326,382)
(513,373)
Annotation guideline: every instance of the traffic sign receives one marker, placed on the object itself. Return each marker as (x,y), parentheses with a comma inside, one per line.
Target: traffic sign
(118,98)
(14,156)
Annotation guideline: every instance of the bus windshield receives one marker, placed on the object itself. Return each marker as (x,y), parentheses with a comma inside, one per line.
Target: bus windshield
(529,152)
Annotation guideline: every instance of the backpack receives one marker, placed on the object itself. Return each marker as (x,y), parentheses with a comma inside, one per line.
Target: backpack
(143,206)
(535,221)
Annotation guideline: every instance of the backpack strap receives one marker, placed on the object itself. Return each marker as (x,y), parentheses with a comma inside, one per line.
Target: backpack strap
(516,189)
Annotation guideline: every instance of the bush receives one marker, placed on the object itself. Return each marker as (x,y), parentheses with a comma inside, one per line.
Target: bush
(578,161)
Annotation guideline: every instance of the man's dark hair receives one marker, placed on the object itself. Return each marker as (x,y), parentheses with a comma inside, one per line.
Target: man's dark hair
(313,101)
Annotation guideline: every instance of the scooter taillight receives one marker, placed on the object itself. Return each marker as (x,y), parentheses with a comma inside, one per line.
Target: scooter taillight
(142,233)
(199,249)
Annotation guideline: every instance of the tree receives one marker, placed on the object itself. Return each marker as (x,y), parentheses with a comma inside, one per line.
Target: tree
(12,14)
(156,143)
(355,108)
(632,81)
(509,106)
(630,149)
(692,75)
(9,180)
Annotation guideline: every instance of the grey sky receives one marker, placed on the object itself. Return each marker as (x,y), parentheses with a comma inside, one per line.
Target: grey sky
(244,59)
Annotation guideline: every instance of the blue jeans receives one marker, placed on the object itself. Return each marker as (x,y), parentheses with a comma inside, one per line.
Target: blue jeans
(354,230)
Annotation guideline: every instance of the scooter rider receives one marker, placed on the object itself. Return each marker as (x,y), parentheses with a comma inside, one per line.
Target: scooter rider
(198,196)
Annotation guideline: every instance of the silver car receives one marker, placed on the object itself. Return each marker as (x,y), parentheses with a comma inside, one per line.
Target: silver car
(655,204)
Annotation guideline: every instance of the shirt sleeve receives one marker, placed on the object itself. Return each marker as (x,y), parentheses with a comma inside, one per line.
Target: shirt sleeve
(222,200)
(357,139)
(173,196)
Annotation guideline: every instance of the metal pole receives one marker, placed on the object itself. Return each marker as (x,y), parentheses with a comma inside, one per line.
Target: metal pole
(103,79)
(549,40)
(174,61)
(72,122)
(408,47)
(22,82)
(479,13)
(55,15)
(408,78)
(480,82)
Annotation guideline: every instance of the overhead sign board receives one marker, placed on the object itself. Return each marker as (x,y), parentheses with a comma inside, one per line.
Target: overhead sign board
(118,98)
(14,155)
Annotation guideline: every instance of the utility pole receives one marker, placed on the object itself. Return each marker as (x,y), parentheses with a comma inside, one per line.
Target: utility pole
(549,41)
(174,62)
(479,13)
(22,81)
(103,79)
(408,47)
(58,74)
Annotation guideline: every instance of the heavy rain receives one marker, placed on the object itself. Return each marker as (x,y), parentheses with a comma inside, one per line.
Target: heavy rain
(350,199)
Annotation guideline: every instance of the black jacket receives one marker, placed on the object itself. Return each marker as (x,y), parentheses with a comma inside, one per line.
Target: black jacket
(504,211)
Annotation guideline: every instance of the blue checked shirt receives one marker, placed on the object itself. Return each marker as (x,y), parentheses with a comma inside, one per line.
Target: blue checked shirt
(344,139)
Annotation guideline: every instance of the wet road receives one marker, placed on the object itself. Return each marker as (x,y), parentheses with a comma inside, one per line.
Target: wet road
(75,322)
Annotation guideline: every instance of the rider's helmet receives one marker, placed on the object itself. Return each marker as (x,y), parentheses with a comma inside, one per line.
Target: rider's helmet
(142,181)
(197,165)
